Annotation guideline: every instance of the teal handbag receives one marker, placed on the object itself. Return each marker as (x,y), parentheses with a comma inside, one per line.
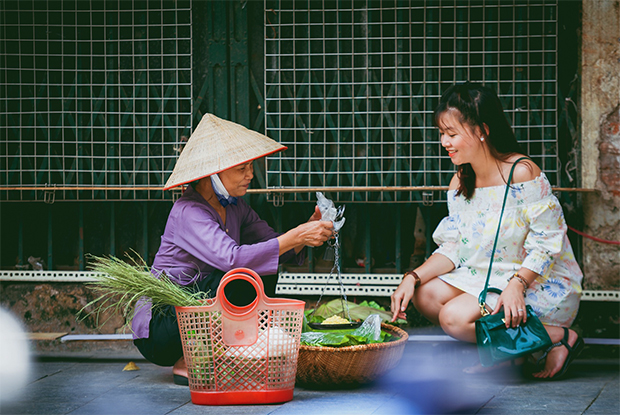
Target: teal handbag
(496,343)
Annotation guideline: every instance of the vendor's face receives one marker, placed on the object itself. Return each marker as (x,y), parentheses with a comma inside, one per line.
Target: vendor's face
(237,179)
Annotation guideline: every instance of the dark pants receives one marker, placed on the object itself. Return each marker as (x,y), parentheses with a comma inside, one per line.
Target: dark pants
(163,346)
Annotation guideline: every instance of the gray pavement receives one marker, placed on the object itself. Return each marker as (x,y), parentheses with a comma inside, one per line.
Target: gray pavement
(428,380)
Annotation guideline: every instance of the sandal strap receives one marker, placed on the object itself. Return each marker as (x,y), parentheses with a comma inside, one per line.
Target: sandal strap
(562,342)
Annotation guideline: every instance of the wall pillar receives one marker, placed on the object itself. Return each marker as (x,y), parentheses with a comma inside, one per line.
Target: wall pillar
(600,128)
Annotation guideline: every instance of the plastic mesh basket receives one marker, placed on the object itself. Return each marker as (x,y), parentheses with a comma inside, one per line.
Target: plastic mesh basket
(241,355)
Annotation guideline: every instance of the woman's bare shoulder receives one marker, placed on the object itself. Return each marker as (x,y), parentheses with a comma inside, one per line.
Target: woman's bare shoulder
(454,183)
(525,171)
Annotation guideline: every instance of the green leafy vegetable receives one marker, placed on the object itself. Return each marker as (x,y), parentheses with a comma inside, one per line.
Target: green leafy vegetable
(358,312)
(369,332)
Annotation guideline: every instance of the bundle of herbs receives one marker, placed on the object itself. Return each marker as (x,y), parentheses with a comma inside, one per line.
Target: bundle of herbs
(120,284)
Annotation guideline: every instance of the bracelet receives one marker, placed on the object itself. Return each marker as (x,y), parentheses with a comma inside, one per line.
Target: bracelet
(415,277)
(521,280)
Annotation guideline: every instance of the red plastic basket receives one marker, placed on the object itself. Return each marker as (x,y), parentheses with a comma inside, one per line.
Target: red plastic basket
(241,355)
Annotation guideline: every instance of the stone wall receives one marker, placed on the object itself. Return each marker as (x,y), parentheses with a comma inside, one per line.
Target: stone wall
(600,112)
(54,308)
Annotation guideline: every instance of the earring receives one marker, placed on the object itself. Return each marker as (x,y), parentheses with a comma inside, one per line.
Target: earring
(481,138)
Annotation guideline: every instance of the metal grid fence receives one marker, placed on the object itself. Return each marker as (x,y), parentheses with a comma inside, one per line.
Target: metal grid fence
(350,87)
(94,95)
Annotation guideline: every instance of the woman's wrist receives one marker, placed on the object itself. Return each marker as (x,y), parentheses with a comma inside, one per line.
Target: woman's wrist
(416,278)
(518,281)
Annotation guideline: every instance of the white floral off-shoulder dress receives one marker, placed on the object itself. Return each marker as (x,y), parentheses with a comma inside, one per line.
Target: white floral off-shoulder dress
(532,235)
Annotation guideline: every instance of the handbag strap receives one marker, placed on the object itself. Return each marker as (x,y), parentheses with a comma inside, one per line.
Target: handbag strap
(483,295)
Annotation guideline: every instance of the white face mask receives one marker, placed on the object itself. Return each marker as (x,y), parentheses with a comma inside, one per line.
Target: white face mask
(220,191)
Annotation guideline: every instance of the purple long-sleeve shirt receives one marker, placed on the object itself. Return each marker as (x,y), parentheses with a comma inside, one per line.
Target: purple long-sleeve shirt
(196,241)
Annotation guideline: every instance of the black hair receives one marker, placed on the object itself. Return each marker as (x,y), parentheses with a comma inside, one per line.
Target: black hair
(480,107)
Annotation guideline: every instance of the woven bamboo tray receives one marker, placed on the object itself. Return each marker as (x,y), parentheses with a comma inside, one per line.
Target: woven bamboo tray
(350,365)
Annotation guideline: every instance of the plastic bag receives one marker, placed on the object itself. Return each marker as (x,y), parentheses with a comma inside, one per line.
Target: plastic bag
(279,342)
(329,211)
(370,328)
(368,332)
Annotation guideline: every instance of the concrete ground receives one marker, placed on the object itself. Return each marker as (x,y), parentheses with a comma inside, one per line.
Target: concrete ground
(428,380)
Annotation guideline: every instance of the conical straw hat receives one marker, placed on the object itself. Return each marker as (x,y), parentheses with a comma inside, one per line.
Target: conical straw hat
(217,145)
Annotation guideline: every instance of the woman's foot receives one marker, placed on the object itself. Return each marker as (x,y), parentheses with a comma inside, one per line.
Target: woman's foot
(179,372)
(567,345)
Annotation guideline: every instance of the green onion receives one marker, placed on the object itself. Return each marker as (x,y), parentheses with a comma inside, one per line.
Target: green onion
(121,284)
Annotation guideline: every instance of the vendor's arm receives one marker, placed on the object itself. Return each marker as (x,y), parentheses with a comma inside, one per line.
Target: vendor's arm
(200,234)
(311,233)
(315,217)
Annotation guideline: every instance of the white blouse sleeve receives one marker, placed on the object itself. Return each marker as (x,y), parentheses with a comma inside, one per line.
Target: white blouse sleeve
(447,237)
(544,241)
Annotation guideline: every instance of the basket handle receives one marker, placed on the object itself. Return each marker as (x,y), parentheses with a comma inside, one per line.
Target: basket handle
(240,324)
(244,274)
(248,271)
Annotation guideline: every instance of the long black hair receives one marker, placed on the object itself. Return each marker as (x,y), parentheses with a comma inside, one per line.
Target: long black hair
(479,106)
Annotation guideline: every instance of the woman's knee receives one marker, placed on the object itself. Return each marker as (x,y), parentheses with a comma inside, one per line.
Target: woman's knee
(457,317)
(451,317)
(434,294)
(428,302)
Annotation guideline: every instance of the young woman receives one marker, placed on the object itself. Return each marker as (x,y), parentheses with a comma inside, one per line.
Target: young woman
(211,230)
(534,263)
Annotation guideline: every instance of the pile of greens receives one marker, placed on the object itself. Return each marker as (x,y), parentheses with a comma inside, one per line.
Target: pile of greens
(370,332)
(358,312)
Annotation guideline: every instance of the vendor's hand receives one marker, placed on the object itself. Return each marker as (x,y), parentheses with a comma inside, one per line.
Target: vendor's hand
(315,233)
(513,302)
(401,297)
(316,215)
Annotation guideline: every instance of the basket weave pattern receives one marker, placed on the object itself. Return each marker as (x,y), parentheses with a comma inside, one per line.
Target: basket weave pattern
(352,364)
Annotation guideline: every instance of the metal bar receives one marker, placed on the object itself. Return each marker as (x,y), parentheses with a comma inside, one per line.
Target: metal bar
(145,231)
(95,337)
(50,239)
(20,238)
(238,70)
(310,252)
(398,257)
(81,236)
(343,189)
(48,276)
(112,229)
(288,282)
(367,224)
(429,231)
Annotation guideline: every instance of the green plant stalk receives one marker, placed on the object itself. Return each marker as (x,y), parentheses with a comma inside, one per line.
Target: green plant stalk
(120,285)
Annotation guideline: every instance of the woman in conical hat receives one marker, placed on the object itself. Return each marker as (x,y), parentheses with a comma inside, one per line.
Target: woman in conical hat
(211,230)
